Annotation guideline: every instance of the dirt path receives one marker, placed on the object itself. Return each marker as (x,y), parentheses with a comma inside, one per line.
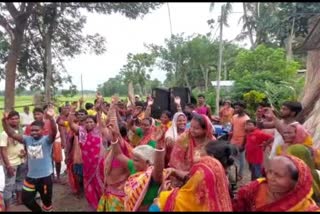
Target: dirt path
(63,200)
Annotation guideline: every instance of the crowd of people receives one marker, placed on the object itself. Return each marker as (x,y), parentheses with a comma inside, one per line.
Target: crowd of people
(122,159)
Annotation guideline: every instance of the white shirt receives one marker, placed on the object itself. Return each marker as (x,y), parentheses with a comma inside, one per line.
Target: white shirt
(26,119)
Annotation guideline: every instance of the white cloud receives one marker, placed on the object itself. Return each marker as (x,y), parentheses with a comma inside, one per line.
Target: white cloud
(124,36)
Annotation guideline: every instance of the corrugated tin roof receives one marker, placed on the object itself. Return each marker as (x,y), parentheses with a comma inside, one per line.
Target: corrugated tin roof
(223,83)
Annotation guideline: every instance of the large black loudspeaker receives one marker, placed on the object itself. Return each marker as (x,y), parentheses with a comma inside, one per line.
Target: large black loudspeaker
(161,102)
(183,93)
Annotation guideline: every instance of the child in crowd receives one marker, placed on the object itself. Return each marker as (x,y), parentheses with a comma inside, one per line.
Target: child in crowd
(254,146)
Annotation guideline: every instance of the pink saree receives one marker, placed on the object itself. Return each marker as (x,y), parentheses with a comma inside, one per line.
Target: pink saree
(93,176)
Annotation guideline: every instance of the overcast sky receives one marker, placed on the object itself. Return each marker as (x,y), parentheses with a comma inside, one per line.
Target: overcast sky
(125,36)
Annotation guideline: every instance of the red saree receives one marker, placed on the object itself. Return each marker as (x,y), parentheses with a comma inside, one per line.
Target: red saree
(249,197)
(185,149)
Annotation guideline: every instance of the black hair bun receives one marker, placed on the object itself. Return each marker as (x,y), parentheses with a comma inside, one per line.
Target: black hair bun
(230,161)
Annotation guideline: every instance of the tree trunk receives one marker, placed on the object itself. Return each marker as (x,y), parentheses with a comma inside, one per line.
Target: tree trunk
(205,77)
(311,96)
(10,69)
(186,80)
(48,50)
(48,77)
(289,42)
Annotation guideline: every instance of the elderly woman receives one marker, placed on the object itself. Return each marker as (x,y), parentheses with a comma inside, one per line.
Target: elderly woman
(206,188)
(304,153)
(146,172)
(294,134)
(287,187)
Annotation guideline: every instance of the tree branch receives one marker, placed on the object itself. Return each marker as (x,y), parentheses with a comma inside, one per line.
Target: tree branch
(12,10)
(4,23)
(22,7)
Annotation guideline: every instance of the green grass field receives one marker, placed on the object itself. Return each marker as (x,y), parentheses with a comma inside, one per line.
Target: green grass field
(21,101)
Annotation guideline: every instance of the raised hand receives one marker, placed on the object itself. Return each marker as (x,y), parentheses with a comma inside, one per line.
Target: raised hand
(150,101)
(268,113)
(177,100)
(73,109)
(114,99)
(158,136)
(50,111)
(5,115)
(81,100)
(115,134)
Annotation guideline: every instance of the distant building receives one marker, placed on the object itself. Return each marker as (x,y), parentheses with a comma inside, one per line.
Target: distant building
(224,84)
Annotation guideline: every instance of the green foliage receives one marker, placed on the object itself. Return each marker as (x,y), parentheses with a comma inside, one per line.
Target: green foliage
(71,92)
(4,49)
(192,61)
(65,21)
(138,69)
(263,70)
(252,99)
(113,86)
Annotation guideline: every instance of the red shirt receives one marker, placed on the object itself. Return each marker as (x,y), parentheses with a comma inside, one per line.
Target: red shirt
(254,150)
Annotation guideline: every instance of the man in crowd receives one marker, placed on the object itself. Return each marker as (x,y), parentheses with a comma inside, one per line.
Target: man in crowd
(13,154)
(39,149)
(238,133)
(26,117)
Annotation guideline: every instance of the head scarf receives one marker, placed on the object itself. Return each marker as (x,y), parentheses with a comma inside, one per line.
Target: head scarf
(209,127)
(303,153)
(298,199)
(173,130)
(302,135)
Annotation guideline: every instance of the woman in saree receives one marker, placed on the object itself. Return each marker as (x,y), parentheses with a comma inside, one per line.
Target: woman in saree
(294,134)
(144,132)
(302,152)
(190,143)
(178,127)
(287,187)
(206,188)
(72,150)
(92,150)
(115,173)
(146,172)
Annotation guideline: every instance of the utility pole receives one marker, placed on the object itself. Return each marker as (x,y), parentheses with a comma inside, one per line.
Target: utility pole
(220,60)
(81,87)
(169,19)
(225,70)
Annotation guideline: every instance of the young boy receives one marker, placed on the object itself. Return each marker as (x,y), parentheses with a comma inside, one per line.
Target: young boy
(255,141)
(39,150)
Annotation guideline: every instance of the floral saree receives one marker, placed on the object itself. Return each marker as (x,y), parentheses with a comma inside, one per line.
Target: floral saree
(136,188)
(206,190)
(113,196)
